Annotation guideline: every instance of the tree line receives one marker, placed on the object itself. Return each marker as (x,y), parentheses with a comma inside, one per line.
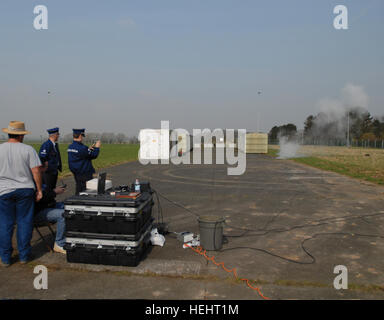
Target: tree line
(357,123)
(90,137)
(105,137)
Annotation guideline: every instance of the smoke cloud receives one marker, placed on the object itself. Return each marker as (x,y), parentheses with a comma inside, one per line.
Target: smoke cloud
(289,148)
(332,120)
(354,96)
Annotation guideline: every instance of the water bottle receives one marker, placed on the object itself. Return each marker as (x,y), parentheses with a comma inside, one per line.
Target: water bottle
(137,185)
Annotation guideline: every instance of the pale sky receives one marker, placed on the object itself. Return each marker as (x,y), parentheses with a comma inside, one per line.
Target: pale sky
(122,66)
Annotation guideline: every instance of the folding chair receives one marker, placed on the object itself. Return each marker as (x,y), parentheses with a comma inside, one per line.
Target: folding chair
(42,224)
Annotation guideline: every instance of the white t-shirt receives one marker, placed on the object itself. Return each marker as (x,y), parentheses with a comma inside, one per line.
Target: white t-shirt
(16,162)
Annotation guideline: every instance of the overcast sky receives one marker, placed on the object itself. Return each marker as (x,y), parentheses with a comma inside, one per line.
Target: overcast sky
(121,66)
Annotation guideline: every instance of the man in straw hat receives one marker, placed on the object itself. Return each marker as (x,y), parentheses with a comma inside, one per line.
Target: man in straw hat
(20,176)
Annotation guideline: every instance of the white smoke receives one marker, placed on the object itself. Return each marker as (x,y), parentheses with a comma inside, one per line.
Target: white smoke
(332,119)
(354,96)
(288,148)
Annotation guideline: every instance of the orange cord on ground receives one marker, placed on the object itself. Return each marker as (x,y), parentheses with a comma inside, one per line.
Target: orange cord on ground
(200,251)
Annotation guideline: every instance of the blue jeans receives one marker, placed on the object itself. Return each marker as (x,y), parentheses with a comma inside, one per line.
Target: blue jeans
(16,207)
(54,215)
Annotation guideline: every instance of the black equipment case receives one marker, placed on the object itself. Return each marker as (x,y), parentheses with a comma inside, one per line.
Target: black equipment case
(116,250)
(111,229)
(107,214)
(113,237)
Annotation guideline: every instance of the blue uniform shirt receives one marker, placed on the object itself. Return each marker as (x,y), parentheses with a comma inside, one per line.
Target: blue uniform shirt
(80,158)
(50,152)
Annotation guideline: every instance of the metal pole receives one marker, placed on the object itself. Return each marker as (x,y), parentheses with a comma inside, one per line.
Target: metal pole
(348,131)
(258,122)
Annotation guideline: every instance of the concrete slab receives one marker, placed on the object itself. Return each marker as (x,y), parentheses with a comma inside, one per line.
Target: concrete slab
(303,223)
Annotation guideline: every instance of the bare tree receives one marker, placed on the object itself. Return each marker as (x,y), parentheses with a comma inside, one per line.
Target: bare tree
(133,140)
(121,138)
(92,137)
(108,137)
(67,138)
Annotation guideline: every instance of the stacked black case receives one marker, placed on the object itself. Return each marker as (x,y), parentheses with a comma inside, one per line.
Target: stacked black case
(108,229)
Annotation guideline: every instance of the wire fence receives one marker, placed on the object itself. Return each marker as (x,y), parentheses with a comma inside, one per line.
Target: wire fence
(378,144)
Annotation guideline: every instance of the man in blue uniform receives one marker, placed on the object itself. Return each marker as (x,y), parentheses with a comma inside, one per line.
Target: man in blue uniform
(80,159)
(51,159)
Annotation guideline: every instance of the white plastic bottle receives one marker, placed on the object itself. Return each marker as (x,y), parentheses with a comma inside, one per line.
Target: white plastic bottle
(137,185)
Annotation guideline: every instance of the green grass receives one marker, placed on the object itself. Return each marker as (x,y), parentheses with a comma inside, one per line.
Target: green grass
(272,152)
(110,155)
(359,163)
(351,170)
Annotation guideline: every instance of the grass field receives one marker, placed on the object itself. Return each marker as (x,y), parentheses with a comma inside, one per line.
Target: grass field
(361,163)
(110,155)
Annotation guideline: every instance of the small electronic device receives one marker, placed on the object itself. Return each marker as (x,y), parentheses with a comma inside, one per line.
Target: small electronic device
(101,183)
(185,236)
(123,188)
(63,185)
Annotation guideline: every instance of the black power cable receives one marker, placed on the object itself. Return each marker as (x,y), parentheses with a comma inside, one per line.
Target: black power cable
(324,221)
(176,204)
(309,224)
(159,208)
(303,247)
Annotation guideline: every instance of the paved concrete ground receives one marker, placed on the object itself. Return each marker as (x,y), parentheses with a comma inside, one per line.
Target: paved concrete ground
(284,202)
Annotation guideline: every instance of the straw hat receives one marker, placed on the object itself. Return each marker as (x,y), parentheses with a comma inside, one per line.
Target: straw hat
(16,127)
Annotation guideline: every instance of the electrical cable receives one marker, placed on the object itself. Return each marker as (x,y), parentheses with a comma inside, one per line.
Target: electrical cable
(324,221)
(266,231)
(309,224)
(160,217)
(202,252)
(303,247)
(176,204)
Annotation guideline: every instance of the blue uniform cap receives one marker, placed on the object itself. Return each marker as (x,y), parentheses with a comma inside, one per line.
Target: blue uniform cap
(78,131)
(53,130)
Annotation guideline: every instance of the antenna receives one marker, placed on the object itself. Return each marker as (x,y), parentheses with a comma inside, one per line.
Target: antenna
(258,115)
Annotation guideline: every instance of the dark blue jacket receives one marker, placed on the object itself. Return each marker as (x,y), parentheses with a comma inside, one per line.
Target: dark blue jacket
(48,153)
(80,158)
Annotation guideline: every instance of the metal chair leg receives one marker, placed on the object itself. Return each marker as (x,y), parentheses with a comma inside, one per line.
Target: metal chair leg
(53,235)
(45,241)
